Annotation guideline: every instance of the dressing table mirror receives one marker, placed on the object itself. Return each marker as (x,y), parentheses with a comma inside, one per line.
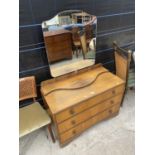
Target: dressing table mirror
(70,41)
(81,94)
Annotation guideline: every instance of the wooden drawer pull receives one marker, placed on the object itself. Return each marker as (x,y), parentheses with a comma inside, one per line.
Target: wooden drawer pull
(74,132)
(72,111)
(110,111)
(112,102)
(113,92)
(73,122)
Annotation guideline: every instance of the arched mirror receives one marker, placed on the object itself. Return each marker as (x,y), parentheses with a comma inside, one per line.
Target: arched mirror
(70,41)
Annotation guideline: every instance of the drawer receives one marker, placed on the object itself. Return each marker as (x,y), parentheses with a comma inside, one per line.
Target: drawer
(59,46)
(87,104)
(85,115)
(58,38)
(65,137)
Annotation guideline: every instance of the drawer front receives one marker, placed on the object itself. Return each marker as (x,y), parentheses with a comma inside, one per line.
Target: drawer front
(59,47)
(85,115)
(87,104)
(57,55)
(57,38)
(65,137)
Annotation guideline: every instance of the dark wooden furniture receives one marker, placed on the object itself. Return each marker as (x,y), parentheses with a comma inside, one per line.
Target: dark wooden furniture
(79,100)
(31,117)
(58,45)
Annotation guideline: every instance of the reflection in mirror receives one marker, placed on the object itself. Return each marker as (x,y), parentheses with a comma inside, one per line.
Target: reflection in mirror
(70,41)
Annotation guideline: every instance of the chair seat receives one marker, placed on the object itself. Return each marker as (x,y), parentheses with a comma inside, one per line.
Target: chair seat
(77,43)
(31,118)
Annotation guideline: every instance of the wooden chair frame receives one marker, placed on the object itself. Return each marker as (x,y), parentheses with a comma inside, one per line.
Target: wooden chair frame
(122,63)
(76,38)
(83,41)
(27,90)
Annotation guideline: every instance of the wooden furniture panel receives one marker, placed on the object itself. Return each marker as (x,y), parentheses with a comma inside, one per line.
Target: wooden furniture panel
(83,126)
(64,46)
(122,61)
(92,82)
(89,103)
(121,64)
(77,119)
(58,45)
(78,100)
(57,33)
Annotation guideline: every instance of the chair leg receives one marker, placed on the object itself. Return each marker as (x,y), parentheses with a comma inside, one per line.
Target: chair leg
(77,52)
(83,54)
(51,132)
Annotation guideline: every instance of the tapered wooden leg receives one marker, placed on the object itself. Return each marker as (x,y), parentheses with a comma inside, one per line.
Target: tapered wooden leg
(51,133)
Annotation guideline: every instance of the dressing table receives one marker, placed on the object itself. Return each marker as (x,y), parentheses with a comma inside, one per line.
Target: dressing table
(78,99)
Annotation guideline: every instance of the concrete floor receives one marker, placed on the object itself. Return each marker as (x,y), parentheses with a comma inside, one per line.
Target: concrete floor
(112,137)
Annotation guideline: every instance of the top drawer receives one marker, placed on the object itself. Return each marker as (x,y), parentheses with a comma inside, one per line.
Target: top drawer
(58,38)
(87,104)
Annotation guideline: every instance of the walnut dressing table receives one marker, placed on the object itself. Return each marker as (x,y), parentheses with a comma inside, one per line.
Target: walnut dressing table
(78,100)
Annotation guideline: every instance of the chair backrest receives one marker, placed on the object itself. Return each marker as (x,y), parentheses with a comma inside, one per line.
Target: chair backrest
(75,35)
(122,61)
(83,41)
(89,32)
(27,88)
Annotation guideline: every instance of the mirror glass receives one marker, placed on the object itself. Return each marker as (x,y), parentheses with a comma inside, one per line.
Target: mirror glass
(70,41)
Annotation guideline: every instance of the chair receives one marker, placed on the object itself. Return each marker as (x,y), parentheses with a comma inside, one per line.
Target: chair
(83,42)
(89,33)
(76,39)
(31,117)
(122,63)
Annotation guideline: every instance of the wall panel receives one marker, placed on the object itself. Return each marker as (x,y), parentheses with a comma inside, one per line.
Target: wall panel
(28,57)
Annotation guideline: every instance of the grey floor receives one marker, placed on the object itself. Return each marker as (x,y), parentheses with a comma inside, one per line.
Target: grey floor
(112,137)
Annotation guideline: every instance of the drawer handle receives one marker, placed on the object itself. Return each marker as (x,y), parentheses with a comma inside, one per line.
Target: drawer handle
(112,102)
(72,111)
(74,132)
(73,122)
(113,92)
(110,111)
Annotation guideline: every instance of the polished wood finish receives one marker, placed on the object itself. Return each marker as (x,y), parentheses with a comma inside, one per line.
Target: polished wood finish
(58,45)
(122,63)
(78,100)
(87,104)
(85,125)
(88,113)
